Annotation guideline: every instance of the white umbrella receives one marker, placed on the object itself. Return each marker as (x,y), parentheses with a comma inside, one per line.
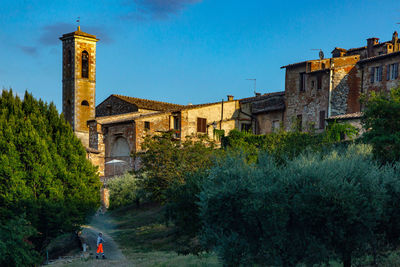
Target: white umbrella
(115,161)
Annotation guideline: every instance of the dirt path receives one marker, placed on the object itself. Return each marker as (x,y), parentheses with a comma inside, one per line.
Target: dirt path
(101,224)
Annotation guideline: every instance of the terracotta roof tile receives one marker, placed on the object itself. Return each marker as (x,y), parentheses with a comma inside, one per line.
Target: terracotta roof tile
(78,33)
(150,104)
(261,97)
(354,115)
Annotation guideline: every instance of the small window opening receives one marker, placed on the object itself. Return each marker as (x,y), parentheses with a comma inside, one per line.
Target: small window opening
(85,103)
(85,64)
(147,125)
(302,82)
(319,82)
(299,122)
(201,125)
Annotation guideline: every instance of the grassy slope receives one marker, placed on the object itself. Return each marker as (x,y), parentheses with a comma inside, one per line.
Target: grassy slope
(146,241)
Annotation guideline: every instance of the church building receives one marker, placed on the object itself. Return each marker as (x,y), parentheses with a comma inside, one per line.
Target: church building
(115,129)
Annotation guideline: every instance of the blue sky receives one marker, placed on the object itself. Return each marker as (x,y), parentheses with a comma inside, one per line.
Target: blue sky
(182,51)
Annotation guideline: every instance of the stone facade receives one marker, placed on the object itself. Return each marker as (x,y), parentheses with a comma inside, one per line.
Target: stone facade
(340,82)
(79,81)
(262,114)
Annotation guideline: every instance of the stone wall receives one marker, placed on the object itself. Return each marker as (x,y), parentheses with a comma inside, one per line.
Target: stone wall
(385,84)
(345,88)
(114,106)
(307,103)
(269,122)
(212,113)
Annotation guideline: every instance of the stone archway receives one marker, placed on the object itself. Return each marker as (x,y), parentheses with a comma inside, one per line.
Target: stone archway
(120,155)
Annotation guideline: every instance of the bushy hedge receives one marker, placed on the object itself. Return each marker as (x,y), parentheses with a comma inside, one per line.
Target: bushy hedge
(316,208)
(284,145)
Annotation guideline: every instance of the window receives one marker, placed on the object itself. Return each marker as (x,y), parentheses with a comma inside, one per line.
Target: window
(245,127)
(388,72)
(312,84)
(85,103)
(302,82)
(392,71)
(319,81)
(85,64)
(299,122)
(322,119)
(378,74)
(323,66)
(372,75)
(147,125)
(201,125)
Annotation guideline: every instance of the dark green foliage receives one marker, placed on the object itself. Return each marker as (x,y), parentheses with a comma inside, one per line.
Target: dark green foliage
(286,145)
(167,161)
(44,172)
(182,209)
(15,247)
(381,120)
(313,209)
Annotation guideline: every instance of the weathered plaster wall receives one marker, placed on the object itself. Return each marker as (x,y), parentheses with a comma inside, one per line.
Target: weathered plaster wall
(307,103)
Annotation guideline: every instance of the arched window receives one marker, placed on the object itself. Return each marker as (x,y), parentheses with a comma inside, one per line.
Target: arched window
(120,147)
(85,103)
(85,64)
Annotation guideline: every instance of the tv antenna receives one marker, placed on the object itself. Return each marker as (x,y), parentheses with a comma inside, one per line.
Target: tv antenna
(255,84)
(321,53)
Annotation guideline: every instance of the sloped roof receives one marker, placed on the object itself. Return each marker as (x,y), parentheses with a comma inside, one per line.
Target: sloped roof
(355,115)
(379,57)
(266,102)
(78,32)
(261,97)
(150,104)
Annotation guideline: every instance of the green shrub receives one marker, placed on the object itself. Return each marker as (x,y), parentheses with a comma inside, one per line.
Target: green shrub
(284,145)
(316,208)
(182,210)
(382,125)
(124,190)
(167,160)
(15,247)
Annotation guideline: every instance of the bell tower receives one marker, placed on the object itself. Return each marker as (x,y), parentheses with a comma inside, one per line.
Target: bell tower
(79,81)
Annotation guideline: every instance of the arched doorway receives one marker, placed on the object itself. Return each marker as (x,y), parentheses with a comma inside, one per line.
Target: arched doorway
(119,160)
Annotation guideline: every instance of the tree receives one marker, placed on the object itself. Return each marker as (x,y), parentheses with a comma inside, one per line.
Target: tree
(382,124)
(167,160)
(315,208)
(44,172)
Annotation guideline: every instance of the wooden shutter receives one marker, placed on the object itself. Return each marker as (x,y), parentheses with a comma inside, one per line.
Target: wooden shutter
(388,72)
(201,125)
(396,70)
(371,74)
(380,73)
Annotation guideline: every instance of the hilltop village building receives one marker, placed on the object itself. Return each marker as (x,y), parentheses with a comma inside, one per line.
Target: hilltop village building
(115,129)
(316,92)
(323,90)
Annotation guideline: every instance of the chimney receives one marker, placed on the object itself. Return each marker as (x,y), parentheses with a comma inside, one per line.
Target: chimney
(395,39)
(230,97)
(258,94)
(370,46)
